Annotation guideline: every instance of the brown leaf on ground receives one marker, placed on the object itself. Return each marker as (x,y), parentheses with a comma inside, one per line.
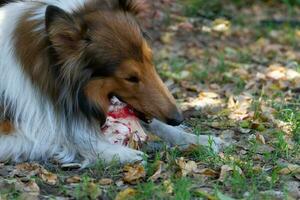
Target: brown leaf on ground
(205,194)
(186,167)
(94,191)
(221,25)
(29,187)
(168,186)
(276,72)
(133,173)
(27,169)
(206,99)
(34,169)
(105,181)
(73,179)
(48,177)
(208,172)
(126,194)
(28,190)
(158,172)
(290,168)
(167,38)
(225,171)
(260,138)
(240,106)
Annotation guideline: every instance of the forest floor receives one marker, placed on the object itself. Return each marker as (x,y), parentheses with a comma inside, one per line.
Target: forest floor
(234,68)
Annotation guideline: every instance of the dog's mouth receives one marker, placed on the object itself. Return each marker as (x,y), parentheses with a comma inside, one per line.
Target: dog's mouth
(141,115)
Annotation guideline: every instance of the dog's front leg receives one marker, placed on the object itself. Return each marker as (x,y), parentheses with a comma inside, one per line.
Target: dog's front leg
(178,136)
(92,147)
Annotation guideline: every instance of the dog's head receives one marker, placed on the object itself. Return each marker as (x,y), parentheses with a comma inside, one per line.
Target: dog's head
(113,58)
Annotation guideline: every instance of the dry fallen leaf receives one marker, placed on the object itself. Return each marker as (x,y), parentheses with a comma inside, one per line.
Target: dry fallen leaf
(126,194)
(276,72)
(157,173)
(27,166)
(279,77)
(240,106)
(29,187)
(187,26)
(48,177)
(167,38)
(34,169)
(28,169)
(226,169)
(106,181)
(290,168)
(203,193)
(206,99)
(260,138)
(133,173)
(208,172)
(221,25)
(169,186)
(73,179)
(186,167)
(93,191)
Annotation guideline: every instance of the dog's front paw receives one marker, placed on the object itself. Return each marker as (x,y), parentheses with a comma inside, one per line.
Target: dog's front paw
(109,153)
(130,156)
(123,154)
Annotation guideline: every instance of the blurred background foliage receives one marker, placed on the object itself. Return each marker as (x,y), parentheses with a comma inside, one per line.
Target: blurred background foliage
(216,7)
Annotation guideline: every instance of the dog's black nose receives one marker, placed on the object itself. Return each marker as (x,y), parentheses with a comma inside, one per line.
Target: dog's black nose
(176,119)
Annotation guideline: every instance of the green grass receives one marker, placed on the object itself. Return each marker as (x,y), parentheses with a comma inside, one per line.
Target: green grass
(151,167)
(10,193)
(204,154)
(182,189)
(87,190)
(101,170)
(292,116)
(213,8)
(150,191)
(194,6)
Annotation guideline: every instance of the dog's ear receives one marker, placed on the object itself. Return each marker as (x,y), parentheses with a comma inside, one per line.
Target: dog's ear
(136,7)
(64,31)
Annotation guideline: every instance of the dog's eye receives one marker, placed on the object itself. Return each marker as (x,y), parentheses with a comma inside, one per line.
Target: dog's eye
(133,79)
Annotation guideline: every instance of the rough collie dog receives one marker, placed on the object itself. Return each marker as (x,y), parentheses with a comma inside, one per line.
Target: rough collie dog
(60,63)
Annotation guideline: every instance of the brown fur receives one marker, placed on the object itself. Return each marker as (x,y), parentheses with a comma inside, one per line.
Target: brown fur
(6,127)
(32,50)
(85,57)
